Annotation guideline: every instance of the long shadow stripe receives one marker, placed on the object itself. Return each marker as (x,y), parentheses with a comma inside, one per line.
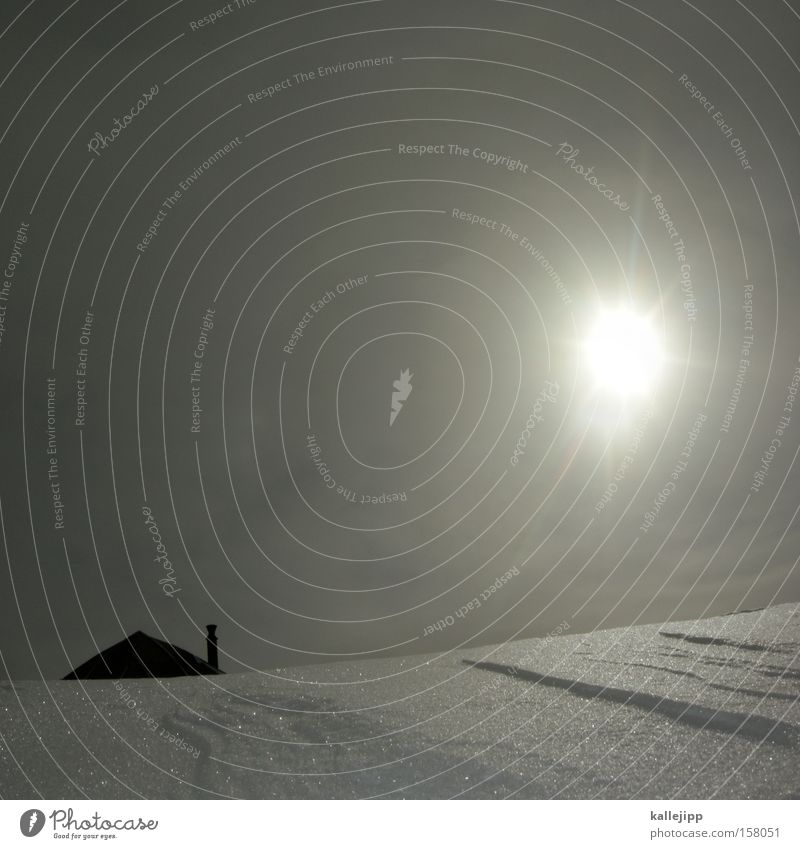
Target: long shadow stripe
(749,726)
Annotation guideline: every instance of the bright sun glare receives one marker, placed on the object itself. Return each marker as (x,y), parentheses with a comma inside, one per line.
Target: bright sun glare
(624,352)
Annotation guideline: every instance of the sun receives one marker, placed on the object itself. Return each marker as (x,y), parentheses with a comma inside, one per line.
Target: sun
(624,353)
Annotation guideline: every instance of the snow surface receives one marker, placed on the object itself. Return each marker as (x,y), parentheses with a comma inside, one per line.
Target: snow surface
(701,709)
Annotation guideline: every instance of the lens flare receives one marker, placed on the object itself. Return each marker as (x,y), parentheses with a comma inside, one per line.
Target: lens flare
(624,353)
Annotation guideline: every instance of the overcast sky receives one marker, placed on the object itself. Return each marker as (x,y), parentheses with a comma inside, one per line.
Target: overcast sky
(271,215)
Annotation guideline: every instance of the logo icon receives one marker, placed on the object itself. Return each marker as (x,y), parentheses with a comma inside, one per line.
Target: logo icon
(31,822)
(403,389)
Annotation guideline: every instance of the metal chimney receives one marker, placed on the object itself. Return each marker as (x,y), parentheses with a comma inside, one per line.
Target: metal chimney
(211,646)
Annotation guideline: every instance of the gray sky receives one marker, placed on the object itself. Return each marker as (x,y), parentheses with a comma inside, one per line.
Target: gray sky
(291,512)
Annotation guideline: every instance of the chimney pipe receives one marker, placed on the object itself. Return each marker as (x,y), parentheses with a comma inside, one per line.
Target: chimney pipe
(211,646)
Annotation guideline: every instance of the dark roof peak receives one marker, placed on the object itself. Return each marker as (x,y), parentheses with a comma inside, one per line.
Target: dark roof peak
(140,655)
